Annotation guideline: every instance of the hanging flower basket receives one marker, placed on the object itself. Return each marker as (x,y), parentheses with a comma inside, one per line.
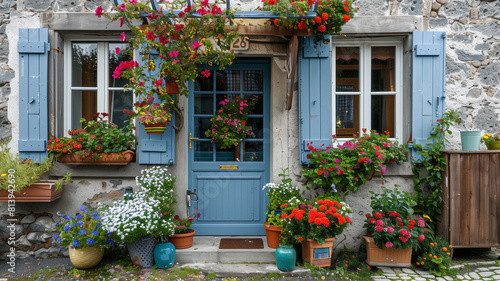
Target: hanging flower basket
(112,158)
(155,129)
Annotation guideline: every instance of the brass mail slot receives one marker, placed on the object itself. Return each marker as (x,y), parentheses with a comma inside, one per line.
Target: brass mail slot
(229,167)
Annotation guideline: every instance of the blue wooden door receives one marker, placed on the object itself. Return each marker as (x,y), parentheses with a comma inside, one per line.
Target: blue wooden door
(226,184)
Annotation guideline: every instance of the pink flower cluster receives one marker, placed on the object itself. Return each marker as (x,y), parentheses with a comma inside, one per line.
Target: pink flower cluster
(122,66)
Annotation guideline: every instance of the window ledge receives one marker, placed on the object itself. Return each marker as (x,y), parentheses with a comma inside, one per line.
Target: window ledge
(88,171)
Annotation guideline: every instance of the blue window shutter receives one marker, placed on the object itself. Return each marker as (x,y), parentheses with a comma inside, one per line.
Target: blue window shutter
(157,149)
(314,96)
(33,48)
(428,85)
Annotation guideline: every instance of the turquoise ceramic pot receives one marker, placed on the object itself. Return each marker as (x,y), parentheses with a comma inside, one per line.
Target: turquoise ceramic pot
(285,258)
(164,254)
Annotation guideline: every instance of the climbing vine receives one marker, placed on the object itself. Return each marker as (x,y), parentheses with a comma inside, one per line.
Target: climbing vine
(434,163)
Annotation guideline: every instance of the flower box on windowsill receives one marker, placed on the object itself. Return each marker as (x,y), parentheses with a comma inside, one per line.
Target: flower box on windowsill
(37,192)
(112,158)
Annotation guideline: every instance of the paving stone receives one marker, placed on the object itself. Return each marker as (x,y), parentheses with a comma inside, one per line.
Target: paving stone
(486,274)
(428,276)
(486,262)
(457,266)
(460,277)
(405,278)
(421,272)
(390,274)
(483,269)
(385,269)
(448,278)
(378,277)
(496,277)
(474,275)
(488,279)
(393,278)
(408,270)
(497,272)
(419,279)
(440,279)
(402,274)
(467,277)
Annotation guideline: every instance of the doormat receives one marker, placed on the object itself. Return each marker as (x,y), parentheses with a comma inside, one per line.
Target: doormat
(241,243)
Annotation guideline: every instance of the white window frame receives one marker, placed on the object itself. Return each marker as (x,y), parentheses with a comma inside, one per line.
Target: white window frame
(102,71)
(365,81)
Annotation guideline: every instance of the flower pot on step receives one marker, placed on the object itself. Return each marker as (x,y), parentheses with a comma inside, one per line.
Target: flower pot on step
(182,241)
(273,234)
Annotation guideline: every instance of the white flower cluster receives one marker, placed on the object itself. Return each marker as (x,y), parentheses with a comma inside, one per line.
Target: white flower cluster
(157,179)
(294,201)
(135,217)
(345,210)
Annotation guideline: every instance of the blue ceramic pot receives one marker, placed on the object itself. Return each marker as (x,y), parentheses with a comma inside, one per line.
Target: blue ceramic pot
(285,258)
(164,254)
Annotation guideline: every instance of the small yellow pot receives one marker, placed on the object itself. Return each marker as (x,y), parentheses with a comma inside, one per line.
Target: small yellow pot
(86,257)
(494,146)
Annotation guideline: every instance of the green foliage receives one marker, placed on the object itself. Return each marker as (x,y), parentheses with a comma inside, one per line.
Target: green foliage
(282,193)
(273,219)
(434,255)
(392,223)
(348,165)
(81,231)
(97,136)
(350,260)
(434,163)
(16,175)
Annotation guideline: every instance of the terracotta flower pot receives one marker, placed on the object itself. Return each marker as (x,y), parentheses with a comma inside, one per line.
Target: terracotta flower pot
(86,257)
(182,241)
(386,257)
(112,158)
(318,254)
(273,234)
(171,87)
(37,192)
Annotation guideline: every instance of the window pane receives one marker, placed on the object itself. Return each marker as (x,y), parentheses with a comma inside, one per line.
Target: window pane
(114,61)
(228,80)
(118,101)
(383,112)
(203,151)
(346,115)
(253,151)
(84,105)
(84,68)
(253,80)
(259,104)
(228,154)
(257,127)
(201,125)
(383,69)
(203,104)
(204,84)
(347,69)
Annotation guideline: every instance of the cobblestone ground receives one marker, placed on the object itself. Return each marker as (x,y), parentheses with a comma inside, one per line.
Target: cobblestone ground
(478,271)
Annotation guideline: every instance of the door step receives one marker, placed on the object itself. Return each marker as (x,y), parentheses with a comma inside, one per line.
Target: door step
(205,249)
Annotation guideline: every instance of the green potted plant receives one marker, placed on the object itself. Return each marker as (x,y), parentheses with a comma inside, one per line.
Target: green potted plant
(315,225)
(435,255)
(85,237)
(278,195)
(175,47)
(20,180)
(351,164)
(331,16)
(142,216)
(394,229)
(100,142)
(183,236)
(492,141)
(285,254)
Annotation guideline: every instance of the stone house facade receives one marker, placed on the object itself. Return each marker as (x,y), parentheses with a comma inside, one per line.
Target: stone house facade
(471,85)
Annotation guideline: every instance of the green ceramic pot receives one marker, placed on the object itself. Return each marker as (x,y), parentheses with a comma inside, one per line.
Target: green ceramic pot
(494,146)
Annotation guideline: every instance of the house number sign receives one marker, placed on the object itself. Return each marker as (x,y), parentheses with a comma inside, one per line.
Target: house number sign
(240,44)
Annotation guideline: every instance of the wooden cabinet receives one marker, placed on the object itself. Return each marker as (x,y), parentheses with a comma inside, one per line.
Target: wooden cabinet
(471,199)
